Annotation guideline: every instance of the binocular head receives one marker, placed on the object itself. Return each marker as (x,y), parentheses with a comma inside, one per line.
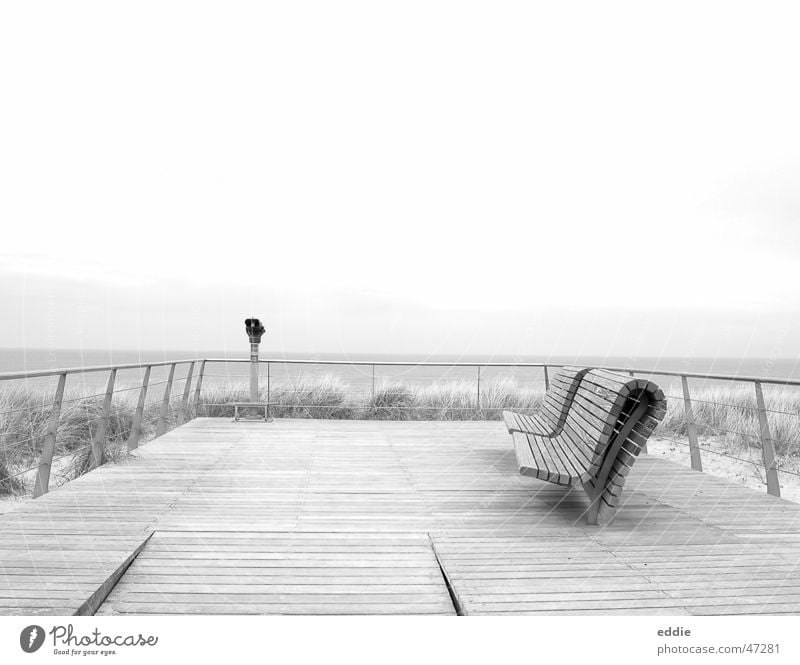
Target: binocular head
(254,330)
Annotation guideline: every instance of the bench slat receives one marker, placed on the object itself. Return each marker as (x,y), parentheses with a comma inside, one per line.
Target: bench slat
(558,473)
(550,418)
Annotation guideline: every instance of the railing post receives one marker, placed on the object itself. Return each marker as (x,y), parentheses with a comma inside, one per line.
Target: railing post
(691,430)
(546,379)
(99,441)
(478,402)
(136,428)
(42,484)
(268,393)
(767,445)
(161,425)
(183,415)
(198,386)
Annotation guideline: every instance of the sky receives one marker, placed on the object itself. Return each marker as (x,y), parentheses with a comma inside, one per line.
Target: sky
(462,178)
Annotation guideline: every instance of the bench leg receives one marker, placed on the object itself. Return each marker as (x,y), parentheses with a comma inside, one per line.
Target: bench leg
(592,513)
(599,512)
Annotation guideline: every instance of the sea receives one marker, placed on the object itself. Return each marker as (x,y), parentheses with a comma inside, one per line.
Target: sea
(232,368)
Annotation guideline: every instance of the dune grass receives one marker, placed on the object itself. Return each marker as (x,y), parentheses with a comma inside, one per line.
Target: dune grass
(24,421)
(730,415)
(329,397)
(722,415)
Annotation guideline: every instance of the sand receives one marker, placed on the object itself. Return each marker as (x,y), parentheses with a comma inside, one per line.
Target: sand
(716,460)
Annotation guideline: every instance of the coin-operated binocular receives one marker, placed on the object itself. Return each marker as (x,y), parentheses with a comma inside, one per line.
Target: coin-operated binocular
(254,330)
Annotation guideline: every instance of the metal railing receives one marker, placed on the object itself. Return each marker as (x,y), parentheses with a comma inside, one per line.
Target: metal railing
(190,403)
(99,436)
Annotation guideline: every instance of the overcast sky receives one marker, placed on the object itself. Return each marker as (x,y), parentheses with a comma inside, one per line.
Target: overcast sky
(509,178)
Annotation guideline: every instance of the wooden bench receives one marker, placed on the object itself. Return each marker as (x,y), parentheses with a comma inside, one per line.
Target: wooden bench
(609,420)
(549,420)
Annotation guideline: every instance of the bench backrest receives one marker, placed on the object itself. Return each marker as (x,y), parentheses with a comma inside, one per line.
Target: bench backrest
(560,395)
(601,409)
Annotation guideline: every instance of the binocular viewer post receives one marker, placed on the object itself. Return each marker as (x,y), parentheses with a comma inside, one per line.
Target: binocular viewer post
(254,330)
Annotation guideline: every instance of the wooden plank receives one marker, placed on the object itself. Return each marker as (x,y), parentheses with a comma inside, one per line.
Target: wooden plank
(282,593)
(307,516)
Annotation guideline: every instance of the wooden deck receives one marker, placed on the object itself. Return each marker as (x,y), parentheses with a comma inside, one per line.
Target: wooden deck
(312,516)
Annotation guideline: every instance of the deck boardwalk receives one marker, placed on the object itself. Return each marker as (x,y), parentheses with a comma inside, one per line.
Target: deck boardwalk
(313,516)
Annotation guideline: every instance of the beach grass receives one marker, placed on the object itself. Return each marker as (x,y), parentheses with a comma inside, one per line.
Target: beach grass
(24,422)
(731,415)
(726,416)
